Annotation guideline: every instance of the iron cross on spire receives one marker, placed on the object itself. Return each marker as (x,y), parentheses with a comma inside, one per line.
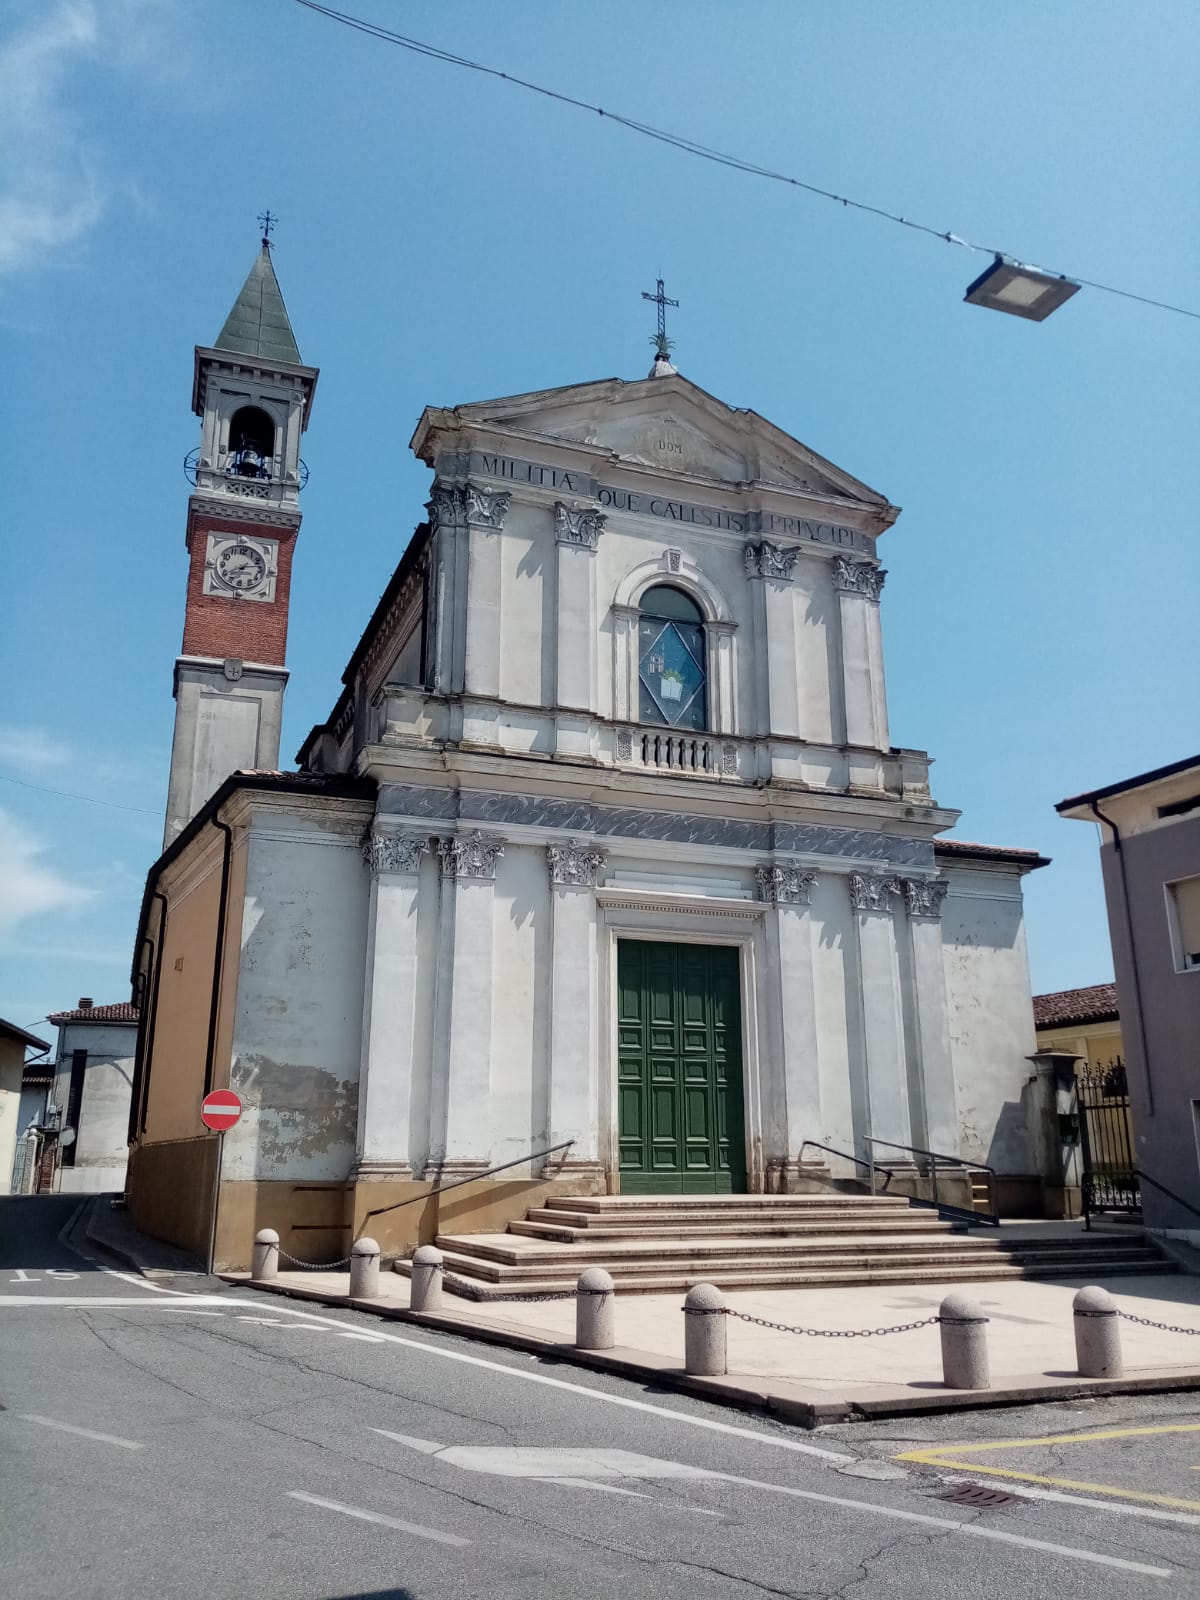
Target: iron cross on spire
(662,345)
(267,220)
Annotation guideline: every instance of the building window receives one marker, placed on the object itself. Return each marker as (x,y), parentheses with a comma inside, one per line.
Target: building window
(74,1103)
(672,678)
(1183,904)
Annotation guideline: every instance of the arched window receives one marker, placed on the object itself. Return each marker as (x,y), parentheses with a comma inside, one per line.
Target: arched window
(251,443)
(672,676)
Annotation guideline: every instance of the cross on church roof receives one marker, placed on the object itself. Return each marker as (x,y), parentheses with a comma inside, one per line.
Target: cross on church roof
(662,345)
(267,221)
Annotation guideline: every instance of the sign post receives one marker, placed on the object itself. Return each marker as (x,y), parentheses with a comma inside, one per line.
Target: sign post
(219,1111)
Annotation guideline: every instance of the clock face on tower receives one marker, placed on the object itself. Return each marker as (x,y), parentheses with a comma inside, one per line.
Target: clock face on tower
(240,567)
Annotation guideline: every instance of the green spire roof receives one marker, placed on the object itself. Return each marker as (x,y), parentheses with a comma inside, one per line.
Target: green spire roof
(258,324)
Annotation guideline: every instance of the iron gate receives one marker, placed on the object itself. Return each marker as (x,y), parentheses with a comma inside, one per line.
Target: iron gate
(1110,1177)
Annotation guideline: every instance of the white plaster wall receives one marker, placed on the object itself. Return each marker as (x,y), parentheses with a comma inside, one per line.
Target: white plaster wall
(298,1021)
(12,1064)
(839,1021)
(101,1144)
(991,1013)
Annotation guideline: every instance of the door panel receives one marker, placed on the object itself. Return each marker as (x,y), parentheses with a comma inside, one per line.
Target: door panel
(681,1127)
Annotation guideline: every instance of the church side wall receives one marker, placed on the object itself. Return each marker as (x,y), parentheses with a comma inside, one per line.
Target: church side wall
(297,1029)
(991,1023)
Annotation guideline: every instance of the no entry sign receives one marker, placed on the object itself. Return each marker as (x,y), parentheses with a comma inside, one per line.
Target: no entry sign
(220,1109)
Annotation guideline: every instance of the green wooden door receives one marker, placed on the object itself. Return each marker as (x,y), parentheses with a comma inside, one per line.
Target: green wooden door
(679,1034)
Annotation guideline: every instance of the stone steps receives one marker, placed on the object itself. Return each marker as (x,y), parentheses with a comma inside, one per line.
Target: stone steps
(662,1245)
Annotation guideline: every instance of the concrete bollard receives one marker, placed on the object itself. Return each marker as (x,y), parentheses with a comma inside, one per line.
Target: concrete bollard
(1097,1334)
(426,1279)
(264,1258)
(704,1331)
(594,1311)
(964,1343)
(364,1270)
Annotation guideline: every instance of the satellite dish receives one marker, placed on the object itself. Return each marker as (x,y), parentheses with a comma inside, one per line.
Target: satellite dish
(67,1137)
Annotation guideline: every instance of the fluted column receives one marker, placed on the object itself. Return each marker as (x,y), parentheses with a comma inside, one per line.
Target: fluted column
(463,1085)
(389,1004)
(923,898)
(872,896)
(788,927)
(574,1025)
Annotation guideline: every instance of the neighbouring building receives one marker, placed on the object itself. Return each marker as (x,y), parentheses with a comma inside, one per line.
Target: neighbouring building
(93,1078)
(1150,857)
(14,1042)
(605,838)
(1086,1022)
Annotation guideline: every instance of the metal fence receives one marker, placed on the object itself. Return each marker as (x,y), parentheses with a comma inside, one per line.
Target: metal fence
(1110,1178)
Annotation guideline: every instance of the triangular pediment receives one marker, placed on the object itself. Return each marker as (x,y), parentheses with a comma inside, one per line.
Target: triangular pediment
(672,425)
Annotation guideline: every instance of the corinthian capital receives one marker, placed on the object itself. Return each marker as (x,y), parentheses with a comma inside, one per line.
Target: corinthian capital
(924,896)
(768,560)
(873,891)
(485,508)
(858,577)
(785,885)
(574,865)
(578,526)
(394,852)
(471,855)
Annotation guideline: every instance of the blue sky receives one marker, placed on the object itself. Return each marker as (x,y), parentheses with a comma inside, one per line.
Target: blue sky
(445,237)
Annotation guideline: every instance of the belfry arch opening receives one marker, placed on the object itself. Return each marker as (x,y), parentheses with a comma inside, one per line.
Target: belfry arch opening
(251,443)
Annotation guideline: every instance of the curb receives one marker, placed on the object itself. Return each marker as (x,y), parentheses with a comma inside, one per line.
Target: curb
(93,1234)
(802,1407)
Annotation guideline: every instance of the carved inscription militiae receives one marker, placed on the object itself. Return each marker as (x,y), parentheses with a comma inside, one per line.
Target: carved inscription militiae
(471,855)
(574,865)
(578,526)
(858,577)
(871,891)
(394,852)
(768,560)
(785,886)
(924,896)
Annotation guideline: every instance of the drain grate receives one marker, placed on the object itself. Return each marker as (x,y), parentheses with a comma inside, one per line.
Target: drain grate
(980,1496)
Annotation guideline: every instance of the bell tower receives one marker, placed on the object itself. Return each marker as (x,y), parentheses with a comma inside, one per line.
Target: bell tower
(253,396)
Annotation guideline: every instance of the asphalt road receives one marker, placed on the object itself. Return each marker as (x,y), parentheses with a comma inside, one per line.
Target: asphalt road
(197,1440)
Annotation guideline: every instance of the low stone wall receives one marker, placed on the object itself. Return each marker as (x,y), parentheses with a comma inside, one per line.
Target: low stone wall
(313,1220)
(486,1205)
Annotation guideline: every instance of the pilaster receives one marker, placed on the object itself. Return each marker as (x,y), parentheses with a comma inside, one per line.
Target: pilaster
(468,863)
(577,530)
(872,896)
(859,585)
(923,898)
(574,1006)
(390,1004)
(787,888)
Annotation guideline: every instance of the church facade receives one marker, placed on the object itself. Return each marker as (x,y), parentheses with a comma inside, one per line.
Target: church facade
(604,850)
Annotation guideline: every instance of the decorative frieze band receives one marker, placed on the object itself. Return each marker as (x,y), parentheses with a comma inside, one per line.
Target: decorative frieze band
(858,577)
(768,560)
(580,526)
(784,885)
(873,891)
(574,865)
(472,855)
(924,896)
(452,506)
(394,852)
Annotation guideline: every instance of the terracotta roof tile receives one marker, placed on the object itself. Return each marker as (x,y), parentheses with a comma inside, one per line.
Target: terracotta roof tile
(121,1012)
(1097,1004)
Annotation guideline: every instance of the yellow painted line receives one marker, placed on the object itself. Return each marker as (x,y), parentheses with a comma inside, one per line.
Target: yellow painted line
(950,1456)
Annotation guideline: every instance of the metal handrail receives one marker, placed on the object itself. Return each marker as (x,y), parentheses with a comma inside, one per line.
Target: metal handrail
(441,1188)
(846,1156)
(952,1161)
(1142,1177)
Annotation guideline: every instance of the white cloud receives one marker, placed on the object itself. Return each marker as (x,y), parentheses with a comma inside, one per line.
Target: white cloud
(28,886)
(31,749)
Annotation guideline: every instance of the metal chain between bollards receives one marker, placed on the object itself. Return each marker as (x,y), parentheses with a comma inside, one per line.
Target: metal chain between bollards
(534,1299)
(816,1333)
(1146,1322)
(313,1266)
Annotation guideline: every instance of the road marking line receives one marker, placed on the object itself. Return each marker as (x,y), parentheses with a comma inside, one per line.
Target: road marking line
(706,1423)
(377,1516)
(79,1302)
(84,1433)
(951,1456)
(1181,1517)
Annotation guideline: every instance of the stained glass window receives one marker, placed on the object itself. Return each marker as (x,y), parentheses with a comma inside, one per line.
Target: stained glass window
(671,670)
